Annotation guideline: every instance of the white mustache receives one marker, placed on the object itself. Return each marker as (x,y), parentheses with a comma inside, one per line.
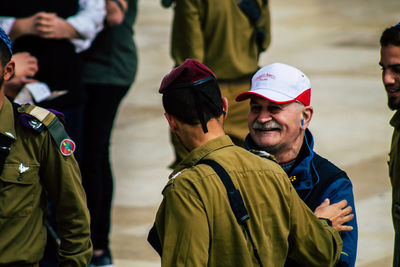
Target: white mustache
(270,125)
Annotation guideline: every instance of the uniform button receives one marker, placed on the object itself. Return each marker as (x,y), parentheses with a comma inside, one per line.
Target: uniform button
(20,178)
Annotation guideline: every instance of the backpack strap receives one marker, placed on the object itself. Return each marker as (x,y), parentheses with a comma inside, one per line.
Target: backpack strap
(235,199)
(253,12)
(54,126)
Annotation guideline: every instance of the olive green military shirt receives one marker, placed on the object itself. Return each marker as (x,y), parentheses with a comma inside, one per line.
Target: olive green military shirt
(394,173)
(218,34)
(34,168)
(197,227)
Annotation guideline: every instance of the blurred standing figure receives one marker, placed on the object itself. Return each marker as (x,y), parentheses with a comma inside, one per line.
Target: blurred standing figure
(109,70)
(55,32)
(390,63)
(219,34)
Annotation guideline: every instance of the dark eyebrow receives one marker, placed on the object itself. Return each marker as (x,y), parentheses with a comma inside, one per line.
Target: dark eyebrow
(390,66)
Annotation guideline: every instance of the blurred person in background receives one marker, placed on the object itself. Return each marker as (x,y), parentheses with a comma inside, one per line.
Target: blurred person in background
(109,69)
(55,32)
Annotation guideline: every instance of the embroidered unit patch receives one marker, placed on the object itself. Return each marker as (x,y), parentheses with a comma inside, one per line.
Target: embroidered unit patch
(67,147)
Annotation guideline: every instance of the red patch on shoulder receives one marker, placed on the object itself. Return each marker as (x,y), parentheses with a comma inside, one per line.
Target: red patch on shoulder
(67,147)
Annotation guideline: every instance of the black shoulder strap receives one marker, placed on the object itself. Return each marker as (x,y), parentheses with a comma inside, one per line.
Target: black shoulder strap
(235,199)
(253,12)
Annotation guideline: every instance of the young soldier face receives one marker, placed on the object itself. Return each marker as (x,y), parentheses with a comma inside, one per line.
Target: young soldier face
(274,127)
(390,63)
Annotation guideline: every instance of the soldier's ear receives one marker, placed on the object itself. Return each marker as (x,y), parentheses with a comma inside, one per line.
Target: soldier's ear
(171,121)
(225,106)
(9,70)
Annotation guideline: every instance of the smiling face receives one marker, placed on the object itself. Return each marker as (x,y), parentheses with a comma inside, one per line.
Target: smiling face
(390,63)
(277,127)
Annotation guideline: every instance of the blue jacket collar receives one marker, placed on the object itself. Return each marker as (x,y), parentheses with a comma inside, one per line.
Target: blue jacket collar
(301,173)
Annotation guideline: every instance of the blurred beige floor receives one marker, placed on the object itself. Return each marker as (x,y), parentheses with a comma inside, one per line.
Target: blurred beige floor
(336,44)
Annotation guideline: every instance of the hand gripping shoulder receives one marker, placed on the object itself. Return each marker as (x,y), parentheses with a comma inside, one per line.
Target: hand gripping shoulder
(56,129)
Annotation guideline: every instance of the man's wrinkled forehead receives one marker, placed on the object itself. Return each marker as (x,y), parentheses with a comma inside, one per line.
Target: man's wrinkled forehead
(256,99)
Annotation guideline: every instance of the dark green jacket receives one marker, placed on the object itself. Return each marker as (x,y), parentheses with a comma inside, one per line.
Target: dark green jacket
(394,173)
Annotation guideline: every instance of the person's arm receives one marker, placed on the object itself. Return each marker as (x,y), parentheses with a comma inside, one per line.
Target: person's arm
(342,189)
(187,36)
(16,28)
(88,22)
(312,241)
(26,67)
(61,178)
(116,10)
(182,228)
(337,213)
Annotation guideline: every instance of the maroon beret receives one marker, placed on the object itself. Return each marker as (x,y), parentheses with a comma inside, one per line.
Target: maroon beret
(190,73)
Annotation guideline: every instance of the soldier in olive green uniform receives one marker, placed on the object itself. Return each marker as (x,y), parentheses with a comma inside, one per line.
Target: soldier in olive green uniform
(219,34)
(390,62)
(35,161)
(195,224)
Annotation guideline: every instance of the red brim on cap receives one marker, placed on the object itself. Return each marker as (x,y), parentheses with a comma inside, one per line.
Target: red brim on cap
(304,97)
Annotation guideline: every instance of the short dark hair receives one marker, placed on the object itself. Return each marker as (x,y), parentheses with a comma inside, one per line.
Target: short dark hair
(187,104)
(5,55)
(391,36)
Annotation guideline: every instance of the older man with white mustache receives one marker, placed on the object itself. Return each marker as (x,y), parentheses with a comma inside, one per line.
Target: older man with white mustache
(278,120)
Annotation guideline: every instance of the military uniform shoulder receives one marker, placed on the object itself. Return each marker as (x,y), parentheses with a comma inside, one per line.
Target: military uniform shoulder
(38,119)
(181,179)
(37,115)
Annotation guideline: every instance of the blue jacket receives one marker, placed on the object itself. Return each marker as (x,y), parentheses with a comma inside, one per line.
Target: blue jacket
(316,179)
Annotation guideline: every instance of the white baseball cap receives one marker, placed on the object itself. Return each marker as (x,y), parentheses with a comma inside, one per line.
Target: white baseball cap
(279,83)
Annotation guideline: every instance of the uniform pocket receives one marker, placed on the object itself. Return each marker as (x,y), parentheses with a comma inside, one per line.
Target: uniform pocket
(18,190)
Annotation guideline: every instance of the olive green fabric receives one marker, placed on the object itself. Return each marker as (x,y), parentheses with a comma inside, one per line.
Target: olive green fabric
(394,173)
(218,34)
(197,227)
(34,168)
